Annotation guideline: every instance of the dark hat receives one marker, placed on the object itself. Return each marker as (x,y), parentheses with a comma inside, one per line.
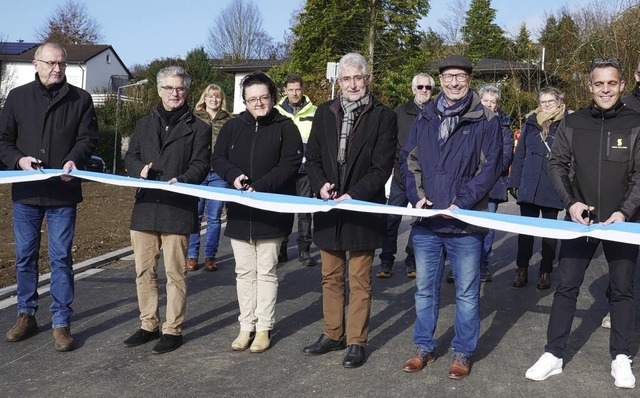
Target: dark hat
(455,61)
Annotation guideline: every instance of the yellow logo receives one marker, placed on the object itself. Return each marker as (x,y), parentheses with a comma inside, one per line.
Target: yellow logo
(619,141)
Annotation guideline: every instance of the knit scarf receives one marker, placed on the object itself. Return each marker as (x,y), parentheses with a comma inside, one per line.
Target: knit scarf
(450,115)
(351,112)
(545,119)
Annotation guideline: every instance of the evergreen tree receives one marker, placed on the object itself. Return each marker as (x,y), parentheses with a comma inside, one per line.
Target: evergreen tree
(484,39)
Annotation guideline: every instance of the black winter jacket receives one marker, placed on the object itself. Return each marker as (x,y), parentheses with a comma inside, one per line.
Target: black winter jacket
(595,160)
(184,155)
(370,157)
(269,151)
(54,130)
(406,114)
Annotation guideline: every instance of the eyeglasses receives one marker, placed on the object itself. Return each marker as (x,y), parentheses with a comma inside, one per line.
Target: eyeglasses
(170,89)
(546,103)
(263,100)
(356,79)
(211,96)
(615,62)
(422,86)
(52,64)
(460,77)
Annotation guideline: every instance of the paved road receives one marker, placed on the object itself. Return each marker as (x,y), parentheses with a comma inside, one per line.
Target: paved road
(512,338)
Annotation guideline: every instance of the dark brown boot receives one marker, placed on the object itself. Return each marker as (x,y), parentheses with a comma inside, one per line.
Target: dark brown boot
(544,281)
(25,327)
(522,277)
(62,340)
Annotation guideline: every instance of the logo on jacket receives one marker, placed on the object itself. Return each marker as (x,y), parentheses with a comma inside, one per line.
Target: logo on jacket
(619,144)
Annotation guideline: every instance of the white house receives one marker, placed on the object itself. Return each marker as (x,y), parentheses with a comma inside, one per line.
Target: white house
(96,68)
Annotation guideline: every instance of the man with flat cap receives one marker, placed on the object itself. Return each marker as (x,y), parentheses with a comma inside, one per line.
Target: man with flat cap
(450,160)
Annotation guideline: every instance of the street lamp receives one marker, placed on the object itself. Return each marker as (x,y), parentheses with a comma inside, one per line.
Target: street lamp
(115,138)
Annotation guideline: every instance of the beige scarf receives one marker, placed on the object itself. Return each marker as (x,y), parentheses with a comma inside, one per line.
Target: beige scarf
(546,119)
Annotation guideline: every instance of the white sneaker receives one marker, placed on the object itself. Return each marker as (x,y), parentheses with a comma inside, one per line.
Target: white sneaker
(621,371)
(606,321)
(547,365)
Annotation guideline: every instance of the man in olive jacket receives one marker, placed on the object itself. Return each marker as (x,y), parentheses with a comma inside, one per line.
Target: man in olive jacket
(350,155)
(49,124)
(172,145)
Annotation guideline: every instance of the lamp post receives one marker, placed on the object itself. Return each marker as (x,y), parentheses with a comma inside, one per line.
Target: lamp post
(115,138)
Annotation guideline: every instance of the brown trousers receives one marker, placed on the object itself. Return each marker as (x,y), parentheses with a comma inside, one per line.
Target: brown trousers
(360,264)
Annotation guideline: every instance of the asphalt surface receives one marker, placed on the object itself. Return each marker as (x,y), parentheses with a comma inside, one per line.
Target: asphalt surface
(512,338)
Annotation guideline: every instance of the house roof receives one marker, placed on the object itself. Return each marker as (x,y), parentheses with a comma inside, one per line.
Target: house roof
(15,48)
(76,53)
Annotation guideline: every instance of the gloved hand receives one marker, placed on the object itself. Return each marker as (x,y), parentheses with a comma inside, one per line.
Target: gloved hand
(513,192)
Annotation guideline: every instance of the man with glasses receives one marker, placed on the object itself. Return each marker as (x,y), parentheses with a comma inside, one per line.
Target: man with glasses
(298,107)
(595,169)
(349,156)
(451,159)
(49,124)
(421,85)
(170,144)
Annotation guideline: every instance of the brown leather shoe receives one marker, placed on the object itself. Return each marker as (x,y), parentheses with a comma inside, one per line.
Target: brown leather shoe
(522,277)
(417,362)
(210,264)
(544,281)
(459,367)
(25,327)
(62,340)
(192,264)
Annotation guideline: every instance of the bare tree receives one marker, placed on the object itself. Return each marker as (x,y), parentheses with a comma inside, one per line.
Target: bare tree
(452,24)
(70,24)
(6,76)
(238,34)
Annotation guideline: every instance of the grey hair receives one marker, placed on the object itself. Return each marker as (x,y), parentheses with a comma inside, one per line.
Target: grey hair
(41,47)
(353,59)
(414,81)
(553,91)
(490,89)
(173,70)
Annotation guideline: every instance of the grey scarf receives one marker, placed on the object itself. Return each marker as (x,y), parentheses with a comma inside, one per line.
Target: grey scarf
(351,112)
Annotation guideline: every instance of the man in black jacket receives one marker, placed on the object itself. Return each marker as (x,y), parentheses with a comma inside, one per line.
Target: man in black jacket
(349,156)
(597,177)
(421,85)
(173,145)
(47,123)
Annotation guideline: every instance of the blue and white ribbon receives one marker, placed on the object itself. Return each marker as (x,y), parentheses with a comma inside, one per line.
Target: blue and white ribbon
(622,232)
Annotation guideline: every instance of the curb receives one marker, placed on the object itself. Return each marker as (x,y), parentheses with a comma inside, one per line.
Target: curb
(91,263)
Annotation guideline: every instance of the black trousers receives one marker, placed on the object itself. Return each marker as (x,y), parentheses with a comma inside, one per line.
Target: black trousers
(305,238)
(575,256)
(525,242)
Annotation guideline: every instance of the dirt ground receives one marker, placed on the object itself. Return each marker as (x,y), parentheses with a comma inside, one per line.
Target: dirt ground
(101,227)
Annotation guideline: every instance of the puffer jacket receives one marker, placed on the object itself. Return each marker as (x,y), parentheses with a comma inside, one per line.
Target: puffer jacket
(269,151)
(460,173)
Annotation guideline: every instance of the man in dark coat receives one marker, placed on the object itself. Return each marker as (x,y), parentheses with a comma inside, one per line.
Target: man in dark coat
(47,123)
(172,145)
(350,154)
(451,160)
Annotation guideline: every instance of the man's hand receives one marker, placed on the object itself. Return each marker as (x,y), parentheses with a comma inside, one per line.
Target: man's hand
(242,183)
(66,169)
(424,203)
(145,170)
(346,196)
(328,191)
(577,212)
(29,163)
(172,181)
(615,217)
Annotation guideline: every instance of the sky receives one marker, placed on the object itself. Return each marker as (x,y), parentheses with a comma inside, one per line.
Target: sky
(141,30)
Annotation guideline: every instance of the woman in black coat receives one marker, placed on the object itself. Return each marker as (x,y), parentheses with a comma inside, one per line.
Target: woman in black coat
(260,150)
(529,183)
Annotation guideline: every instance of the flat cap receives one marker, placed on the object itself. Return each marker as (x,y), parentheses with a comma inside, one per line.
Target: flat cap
(455,61)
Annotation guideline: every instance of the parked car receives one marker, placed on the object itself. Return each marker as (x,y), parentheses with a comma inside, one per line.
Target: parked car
(96,164)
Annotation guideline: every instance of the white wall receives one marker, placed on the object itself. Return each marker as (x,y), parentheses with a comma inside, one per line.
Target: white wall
(238,105)
(99,71)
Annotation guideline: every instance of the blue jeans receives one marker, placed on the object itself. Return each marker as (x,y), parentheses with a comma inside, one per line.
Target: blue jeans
(488,241)
(61,223)
(463,251)
(397,197)
(213,209)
